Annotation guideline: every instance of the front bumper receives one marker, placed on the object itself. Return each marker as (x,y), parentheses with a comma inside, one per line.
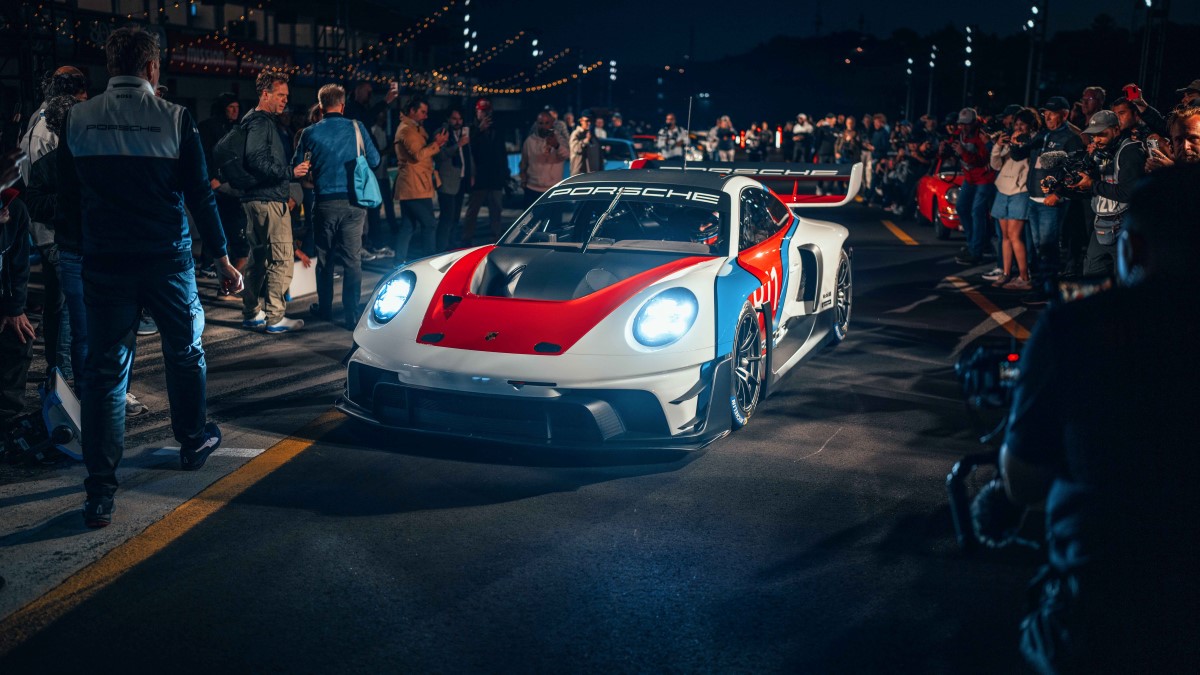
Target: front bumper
(584,418)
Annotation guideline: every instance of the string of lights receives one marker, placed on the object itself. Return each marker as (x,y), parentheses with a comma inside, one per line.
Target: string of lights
(482,89)
(470,63)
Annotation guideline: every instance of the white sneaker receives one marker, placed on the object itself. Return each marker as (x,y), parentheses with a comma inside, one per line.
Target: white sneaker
(994,275)
(286,325)
(134,407)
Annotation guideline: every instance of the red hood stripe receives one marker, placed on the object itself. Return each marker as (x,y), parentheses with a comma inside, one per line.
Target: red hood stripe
(516,325)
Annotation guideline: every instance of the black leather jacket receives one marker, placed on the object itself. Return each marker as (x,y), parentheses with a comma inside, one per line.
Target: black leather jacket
(266,159)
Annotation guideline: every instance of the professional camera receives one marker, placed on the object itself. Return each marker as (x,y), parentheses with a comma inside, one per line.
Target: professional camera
(1064,169)
(979,508)
(994,127)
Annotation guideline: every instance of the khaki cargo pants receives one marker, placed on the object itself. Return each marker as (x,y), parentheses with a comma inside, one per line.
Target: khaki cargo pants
(269,269)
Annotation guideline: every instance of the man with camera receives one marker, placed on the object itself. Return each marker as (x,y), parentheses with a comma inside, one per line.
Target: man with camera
(542,158)
(672,139)
(1120,162)
(978,189)
(1101,432)
(1047,210)
(585,148)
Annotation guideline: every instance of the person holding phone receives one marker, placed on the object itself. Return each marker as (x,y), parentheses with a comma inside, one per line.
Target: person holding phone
(455,169)
(415,153)
(491,172)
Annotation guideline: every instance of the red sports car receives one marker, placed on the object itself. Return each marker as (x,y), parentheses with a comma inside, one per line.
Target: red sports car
(937,200)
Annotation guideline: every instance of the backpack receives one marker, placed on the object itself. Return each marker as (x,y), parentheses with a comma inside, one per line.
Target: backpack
(228,157)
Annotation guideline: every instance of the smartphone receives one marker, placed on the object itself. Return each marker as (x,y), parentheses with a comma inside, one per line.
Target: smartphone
(1133,92)
(308,157)
(1151,144)
(466,132)
(394,86)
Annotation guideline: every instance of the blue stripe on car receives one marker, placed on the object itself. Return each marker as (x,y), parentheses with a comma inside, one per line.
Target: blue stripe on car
(734,286)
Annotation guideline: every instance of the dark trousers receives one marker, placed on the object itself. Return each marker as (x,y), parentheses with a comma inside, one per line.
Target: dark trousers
(339,231)
(531,196)
(1077,233)
(14,368)
(479,198)
(113,301)
(449,214)
(1101,258)
(416,216)
(56,325)
(70,276)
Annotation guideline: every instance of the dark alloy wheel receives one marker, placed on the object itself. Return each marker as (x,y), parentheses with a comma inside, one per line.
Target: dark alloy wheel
(749,359)
(843,298)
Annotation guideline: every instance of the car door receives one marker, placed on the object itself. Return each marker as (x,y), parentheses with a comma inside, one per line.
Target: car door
(761,246)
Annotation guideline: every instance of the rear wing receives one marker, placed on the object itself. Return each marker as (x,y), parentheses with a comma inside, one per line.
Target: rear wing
(797,185)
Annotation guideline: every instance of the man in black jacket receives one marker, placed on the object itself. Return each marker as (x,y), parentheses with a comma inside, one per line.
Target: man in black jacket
(491,172)
(268,221)
(128,164)
(222,118)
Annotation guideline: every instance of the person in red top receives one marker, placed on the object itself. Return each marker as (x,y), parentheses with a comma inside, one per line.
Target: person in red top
(978,190)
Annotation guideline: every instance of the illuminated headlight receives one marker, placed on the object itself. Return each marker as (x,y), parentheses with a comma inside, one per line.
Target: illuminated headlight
(952,195)
(666,318)
(392,296)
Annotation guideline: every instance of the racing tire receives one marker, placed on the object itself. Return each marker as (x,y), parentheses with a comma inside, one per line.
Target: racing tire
(749,366)
(939,229)
(843,299)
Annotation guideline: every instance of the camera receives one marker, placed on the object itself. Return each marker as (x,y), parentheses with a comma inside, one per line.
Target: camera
(994,127)
(1065,169)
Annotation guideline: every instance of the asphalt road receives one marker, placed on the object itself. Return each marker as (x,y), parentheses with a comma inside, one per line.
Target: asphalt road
(815,540)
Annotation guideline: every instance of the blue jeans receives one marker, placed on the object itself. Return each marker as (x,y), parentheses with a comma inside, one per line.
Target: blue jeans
(1045,226)
(113,303)
(974,205)
(70,275)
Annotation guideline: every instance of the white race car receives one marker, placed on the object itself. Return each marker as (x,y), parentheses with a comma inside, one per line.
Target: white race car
(639,308)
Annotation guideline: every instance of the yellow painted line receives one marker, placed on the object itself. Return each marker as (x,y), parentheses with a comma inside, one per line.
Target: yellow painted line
(32,618)
(900,234)
(998,315)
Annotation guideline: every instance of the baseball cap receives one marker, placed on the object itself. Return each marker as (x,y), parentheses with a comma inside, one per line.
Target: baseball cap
(1057,104)
(967,116)
(483,104)
(1105,119)
(1194,86)
(1010,109)
(616,116)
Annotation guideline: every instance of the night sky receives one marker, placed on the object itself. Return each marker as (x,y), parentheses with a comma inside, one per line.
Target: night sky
(649,32)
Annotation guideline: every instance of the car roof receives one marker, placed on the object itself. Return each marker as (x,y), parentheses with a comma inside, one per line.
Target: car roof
(700,179)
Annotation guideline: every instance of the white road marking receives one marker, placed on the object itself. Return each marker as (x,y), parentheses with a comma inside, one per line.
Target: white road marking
(988,325)
(908,308)
(219,452)
(839,429)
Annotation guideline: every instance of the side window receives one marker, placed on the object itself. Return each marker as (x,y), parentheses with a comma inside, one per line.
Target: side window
(756,223)
(780,214)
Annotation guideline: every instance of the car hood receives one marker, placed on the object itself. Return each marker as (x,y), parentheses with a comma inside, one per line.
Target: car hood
(537,300)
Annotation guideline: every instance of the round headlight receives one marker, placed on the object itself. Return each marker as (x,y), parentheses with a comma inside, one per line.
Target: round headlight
(666,318)
(392,296)
(952,195)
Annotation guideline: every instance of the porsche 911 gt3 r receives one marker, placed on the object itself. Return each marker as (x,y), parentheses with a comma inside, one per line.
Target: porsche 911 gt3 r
(645,308)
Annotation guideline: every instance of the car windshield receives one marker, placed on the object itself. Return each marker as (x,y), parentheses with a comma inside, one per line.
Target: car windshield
(659,218)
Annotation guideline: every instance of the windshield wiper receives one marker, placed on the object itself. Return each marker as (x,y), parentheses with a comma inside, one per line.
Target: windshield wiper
(600,221)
